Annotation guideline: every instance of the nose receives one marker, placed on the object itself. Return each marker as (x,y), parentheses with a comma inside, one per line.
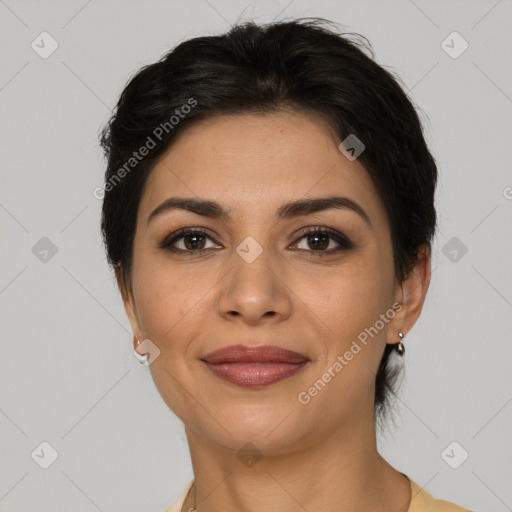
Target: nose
(255,292)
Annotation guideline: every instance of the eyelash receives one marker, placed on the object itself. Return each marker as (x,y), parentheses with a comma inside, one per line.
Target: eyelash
(342,240)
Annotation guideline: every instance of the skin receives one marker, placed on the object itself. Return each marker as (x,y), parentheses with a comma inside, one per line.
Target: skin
(313,456)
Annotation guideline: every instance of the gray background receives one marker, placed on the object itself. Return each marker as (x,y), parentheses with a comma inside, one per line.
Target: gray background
(67,372)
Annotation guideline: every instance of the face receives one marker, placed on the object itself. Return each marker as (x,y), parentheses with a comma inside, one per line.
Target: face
(307,281)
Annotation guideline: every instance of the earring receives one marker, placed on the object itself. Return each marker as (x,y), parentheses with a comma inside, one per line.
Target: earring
(399,347)
(142,358)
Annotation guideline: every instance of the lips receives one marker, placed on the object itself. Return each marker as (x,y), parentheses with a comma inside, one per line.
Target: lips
(260,354)
(254,367)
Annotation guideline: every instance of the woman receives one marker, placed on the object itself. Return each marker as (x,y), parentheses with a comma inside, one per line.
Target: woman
(269,212)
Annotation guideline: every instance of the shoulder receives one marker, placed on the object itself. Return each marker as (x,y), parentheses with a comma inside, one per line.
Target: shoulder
(176,506)
(422,501)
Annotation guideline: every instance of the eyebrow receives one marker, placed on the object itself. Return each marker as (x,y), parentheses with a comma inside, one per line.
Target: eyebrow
(293,209)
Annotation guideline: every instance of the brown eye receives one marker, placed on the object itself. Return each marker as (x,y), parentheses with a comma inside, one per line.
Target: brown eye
(186,241)
(321,240)
(193,241)
(318,241)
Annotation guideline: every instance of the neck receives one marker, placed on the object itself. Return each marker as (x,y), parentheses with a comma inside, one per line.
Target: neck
(341,471)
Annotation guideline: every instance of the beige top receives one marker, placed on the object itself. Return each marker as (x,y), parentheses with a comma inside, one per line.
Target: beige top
(421,501)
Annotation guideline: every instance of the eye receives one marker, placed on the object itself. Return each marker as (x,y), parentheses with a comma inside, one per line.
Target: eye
(191,240)
(194,240)
(319,240)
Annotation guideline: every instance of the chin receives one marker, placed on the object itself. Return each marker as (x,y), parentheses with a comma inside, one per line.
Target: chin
(271,428)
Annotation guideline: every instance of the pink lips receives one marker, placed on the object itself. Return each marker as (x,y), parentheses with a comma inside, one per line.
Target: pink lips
(252,367)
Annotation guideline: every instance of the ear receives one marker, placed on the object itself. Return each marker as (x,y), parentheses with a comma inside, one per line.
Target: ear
(129,305)
(411,295)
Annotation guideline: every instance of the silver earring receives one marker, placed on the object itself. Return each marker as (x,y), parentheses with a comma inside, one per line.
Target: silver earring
(399,347)
(143,359)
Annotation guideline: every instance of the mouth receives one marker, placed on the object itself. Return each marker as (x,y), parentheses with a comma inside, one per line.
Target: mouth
(254,367)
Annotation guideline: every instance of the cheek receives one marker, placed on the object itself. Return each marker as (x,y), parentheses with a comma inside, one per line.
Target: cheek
(347,299)
(172,314)
(171,304)
(347,313)
(351,340)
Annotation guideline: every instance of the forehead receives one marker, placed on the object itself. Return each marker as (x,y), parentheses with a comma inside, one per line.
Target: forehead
(252,161)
